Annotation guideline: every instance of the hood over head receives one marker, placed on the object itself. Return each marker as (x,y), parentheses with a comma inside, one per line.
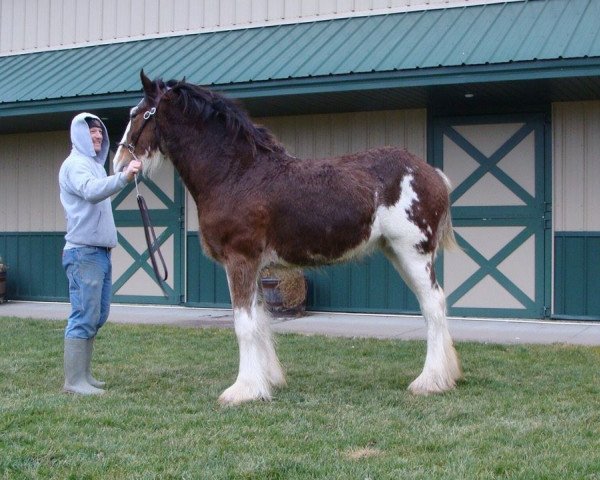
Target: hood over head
(82,141)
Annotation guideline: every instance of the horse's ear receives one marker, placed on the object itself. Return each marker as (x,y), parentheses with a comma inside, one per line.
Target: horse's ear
(147,84)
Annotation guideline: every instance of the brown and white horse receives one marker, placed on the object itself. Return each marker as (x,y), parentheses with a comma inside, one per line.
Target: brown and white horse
(258,206)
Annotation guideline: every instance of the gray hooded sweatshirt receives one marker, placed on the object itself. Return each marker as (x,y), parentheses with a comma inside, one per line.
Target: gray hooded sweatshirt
(85,189)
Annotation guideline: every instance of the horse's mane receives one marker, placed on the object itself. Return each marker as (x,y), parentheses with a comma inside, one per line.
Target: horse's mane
(205,105)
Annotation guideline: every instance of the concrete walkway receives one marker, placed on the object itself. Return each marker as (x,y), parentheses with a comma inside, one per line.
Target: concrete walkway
(337,324)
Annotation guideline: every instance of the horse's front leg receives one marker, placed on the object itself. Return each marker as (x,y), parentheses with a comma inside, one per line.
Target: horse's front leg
(259,367)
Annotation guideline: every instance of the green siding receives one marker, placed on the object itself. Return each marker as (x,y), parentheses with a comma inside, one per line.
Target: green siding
(370,285)
(577,274)
(206,280)
(35,266)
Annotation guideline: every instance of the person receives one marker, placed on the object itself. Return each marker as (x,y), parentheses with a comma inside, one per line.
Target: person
(85,190)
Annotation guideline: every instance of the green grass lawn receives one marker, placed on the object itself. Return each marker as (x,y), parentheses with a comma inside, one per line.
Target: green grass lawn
(523,412)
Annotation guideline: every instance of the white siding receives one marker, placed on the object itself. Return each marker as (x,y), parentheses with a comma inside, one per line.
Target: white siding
(30,25)
(318,136)
(576,159)
(29,193)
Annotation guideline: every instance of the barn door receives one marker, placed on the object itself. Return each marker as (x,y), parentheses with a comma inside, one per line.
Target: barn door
(496,166)
(133,277)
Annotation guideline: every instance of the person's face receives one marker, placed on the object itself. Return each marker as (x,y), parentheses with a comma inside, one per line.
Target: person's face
(96,134)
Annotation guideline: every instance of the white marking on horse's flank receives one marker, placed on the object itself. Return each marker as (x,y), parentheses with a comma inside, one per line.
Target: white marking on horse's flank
(394,223)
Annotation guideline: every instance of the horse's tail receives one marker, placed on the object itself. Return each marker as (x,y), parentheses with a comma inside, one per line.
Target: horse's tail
(445,233)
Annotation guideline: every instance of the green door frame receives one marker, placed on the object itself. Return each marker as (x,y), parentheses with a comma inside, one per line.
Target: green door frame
(534,215)
(172,219)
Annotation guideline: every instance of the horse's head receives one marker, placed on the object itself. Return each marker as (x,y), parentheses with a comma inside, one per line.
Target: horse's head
(141,140)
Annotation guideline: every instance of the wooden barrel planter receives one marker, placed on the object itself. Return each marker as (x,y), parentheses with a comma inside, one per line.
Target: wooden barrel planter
(284,296)
(2,287)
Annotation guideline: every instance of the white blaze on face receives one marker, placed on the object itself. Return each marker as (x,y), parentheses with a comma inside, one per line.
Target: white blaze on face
(121,156)
(151,160)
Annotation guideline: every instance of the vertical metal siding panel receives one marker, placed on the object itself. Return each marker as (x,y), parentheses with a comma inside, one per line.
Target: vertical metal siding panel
(416,132)
(259,11)
(9,153)
(227,13)
(181,16)
(327,7)
(558,154)
(592,165)
(380,4)
(18,30)
(275,10)
(30,24)
(344,6)
(309,8)
(136,17)
(196,14)
(52,150)
(362,5)
(123,20)
(23,182)
(211,13)
(291,9)
(82,25)
(574,298)
(29,185)
(94,23)
(166,15)
(323,134)
(6,26)
(43,24)
(576,148)
(593,276)
(56,22)
(29,195)
(151,17)
(69,21)
(243,12)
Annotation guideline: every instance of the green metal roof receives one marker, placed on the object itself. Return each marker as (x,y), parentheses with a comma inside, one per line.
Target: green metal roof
(533,39)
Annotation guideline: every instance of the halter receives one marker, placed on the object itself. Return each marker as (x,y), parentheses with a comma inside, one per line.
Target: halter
(151,241)
(131,146)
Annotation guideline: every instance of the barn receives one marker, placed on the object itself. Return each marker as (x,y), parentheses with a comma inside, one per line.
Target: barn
(504,96)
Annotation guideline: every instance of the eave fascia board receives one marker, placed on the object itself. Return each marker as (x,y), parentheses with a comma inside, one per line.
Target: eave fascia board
(351,82)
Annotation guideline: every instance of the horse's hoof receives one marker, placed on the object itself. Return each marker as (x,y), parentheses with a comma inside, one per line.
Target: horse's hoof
(277,377)
(430,385)
(241,392)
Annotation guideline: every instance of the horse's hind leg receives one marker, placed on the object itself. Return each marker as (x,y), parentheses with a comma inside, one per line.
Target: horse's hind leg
(442,367)
(259,368)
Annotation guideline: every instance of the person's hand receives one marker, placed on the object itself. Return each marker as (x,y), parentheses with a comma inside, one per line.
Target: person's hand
(134,167)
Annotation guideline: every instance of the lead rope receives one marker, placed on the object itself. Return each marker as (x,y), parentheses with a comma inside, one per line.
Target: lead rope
(151,242)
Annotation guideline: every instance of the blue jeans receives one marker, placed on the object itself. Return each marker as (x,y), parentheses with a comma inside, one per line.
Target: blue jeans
(89,271)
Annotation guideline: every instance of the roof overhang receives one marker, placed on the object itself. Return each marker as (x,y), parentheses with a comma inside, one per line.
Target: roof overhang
(458,89)
(458,59)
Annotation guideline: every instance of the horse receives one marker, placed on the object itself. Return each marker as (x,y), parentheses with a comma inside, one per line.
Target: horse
(259,206)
